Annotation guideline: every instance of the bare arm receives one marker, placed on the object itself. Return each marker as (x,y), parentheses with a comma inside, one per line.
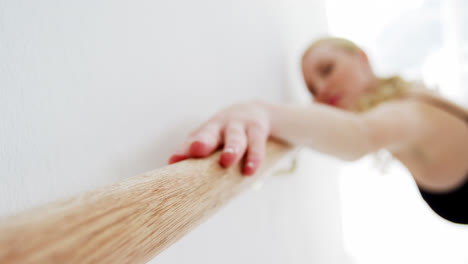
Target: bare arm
(325,129)
(348,135)
(244,129)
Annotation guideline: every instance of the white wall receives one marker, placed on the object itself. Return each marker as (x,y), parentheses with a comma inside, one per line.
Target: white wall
(92,92)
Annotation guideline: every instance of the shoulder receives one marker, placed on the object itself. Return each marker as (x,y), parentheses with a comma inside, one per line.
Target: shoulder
(418,103)
(402,122)
(414,115)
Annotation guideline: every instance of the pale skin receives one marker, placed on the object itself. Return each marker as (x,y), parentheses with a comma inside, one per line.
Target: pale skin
(430,142)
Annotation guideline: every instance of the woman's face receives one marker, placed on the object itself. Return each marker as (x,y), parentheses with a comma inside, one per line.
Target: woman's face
(337,77)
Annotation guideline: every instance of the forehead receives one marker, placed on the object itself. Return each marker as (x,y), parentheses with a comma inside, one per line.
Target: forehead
(322,52)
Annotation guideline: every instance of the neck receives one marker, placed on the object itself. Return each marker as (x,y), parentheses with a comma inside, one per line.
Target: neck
(380,90)
(375,84)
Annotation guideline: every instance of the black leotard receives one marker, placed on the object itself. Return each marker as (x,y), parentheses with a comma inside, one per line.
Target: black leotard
(452,205)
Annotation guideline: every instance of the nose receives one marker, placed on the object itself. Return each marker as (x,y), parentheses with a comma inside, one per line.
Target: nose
(322,87)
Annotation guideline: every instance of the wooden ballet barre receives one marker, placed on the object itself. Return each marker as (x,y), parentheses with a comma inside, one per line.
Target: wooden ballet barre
(131,221)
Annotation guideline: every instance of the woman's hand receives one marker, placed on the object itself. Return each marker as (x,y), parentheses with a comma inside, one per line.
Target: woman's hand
(241,129)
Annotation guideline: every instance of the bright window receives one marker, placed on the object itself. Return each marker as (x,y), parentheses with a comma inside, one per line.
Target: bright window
(385,219)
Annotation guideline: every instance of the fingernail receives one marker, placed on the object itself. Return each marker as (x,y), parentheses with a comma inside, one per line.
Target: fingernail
(176,158)
(250,164)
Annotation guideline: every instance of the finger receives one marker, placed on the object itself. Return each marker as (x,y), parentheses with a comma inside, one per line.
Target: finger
(204,141)
(176,158)
(181,153)
(256,137)
(199,143)
(235,143)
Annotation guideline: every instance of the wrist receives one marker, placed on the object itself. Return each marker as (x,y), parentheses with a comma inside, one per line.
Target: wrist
(266,109)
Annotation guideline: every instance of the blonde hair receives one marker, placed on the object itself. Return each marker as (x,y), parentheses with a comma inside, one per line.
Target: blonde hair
(341,43)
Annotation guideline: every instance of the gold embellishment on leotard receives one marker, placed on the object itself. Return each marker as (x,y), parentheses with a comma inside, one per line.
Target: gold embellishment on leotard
(293,167)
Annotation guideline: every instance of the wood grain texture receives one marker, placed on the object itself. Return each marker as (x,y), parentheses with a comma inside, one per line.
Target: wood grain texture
(131,221)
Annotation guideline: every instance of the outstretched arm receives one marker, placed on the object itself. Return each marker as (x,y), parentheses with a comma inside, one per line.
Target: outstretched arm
(245,128)
(348,135)
(323,128)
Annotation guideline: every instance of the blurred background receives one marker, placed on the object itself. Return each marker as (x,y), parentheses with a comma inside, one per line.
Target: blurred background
(384,217)
(93,92)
